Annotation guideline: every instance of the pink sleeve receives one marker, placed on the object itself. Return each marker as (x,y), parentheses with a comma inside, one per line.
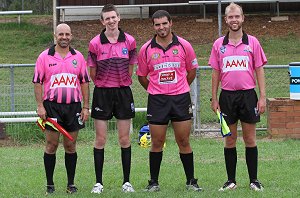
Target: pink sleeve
(214,57)
(142,69)
(39,72)
(259,55)
(84,76)
(92,55)
(191,59)
(132,53)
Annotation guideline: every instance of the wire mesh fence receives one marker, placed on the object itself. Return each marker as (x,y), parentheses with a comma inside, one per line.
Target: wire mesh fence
(17,95)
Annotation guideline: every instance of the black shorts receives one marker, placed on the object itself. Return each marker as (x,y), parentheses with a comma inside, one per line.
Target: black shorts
(239,105)
(163,108)
(67,115)
(109,102)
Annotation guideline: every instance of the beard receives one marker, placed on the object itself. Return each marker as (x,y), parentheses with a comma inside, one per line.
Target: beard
(236,28)
(63,43)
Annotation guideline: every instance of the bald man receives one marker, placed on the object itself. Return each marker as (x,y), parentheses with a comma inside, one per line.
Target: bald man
(61,88)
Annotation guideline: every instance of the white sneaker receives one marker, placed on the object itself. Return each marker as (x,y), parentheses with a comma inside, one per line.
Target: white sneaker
(127,187)
(98,188)
(229,185)
(256,186)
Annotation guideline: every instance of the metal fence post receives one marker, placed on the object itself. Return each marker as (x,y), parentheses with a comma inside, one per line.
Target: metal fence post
(12,89)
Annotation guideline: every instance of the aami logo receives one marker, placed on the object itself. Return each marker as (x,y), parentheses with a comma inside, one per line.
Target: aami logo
(63,80)
(235,63)
(294,80)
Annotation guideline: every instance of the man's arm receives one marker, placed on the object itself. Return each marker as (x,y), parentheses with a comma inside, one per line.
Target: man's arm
(38,92)
(93,73)
(143,81)
(130,70)
(191,74)
(214,90)
(261,104)
(85,97)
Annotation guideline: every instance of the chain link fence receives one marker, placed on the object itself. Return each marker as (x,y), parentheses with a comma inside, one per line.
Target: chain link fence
(17,99)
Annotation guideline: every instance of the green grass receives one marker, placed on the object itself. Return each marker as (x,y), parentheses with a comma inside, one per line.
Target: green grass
(22,171)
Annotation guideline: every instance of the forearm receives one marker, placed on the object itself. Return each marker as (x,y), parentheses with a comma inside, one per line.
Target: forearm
(38,92)
(85,94)
(130,70)
(191,76)
(260,75)
(215,84)
(144,81)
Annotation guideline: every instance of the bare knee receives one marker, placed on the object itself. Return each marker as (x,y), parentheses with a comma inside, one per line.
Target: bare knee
(70,147)
(124,141)
(51,147)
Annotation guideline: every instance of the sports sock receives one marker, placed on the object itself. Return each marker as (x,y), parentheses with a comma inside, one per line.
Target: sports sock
(188,165)
(126,162)
(155,159)
(49,164)
(98,162)
(70,164)
(230,162)
(251,160)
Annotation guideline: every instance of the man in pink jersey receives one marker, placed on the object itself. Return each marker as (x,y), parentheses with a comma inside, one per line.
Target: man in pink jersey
(61,72)
(166,67)
(236,59)
(111,57)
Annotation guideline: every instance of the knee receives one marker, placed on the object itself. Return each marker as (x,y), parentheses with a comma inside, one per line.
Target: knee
(124,141)
(157,144)
(183,142)
(100,141)
(51,147)
(70,147)
(230,141)
(249,141)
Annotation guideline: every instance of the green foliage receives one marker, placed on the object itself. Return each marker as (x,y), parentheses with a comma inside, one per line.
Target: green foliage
(38,6)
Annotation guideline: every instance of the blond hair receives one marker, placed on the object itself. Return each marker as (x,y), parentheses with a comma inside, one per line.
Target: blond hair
(232,6)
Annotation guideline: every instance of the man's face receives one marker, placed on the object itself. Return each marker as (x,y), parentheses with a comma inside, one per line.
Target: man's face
(110,20)
(162,27)
(234,19)
(63,35)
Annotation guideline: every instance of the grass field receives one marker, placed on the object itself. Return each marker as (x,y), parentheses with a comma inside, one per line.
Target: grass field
(21,166)
(22,171)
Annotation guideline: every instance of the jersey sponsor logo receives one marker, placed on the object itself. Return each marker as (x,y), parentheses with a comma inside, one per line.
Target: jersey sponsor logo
(63,80)
(235,63)
(52,64)
(124,51)
(166,65)
(74,63)
(195,62)
(155,56)
(223,49)
(175,51)
(167,77)
(248,49)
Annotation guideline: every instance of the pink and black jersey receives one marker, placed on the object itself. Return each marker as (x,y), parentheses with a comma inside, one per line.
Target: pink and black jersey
(167,68)
(61,76)
(112,60)
(237,63)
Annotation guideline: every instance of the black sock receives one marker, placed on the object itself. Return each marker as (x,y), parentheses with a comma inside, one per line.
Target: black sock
(70,164)
(49,164)
(98,161)
(251,160)
(126,162)
(155,159)
(188,165)
(230,162)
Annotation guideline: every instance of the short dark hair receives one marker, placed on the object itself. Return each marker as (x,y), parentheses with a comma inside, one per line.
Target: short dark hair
(160,14)
(108,8)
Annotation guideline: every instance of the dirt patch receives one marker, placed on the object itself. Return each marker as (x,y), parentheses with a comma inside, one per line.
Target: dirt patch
(188,28)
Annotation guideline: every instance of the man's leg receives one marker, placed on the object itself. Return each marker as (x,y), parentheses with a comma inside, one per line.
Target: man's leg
(52,138)
(70,157)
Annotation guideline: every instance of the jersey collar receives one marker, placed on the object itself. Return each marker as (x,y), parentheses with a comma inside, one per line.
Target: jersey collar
(104,39)
(51,51)
(155,44)
(244,39)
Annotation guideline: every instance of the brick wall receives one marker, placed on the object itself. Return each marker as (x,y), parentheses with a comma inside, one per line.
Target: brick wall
(283,117)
